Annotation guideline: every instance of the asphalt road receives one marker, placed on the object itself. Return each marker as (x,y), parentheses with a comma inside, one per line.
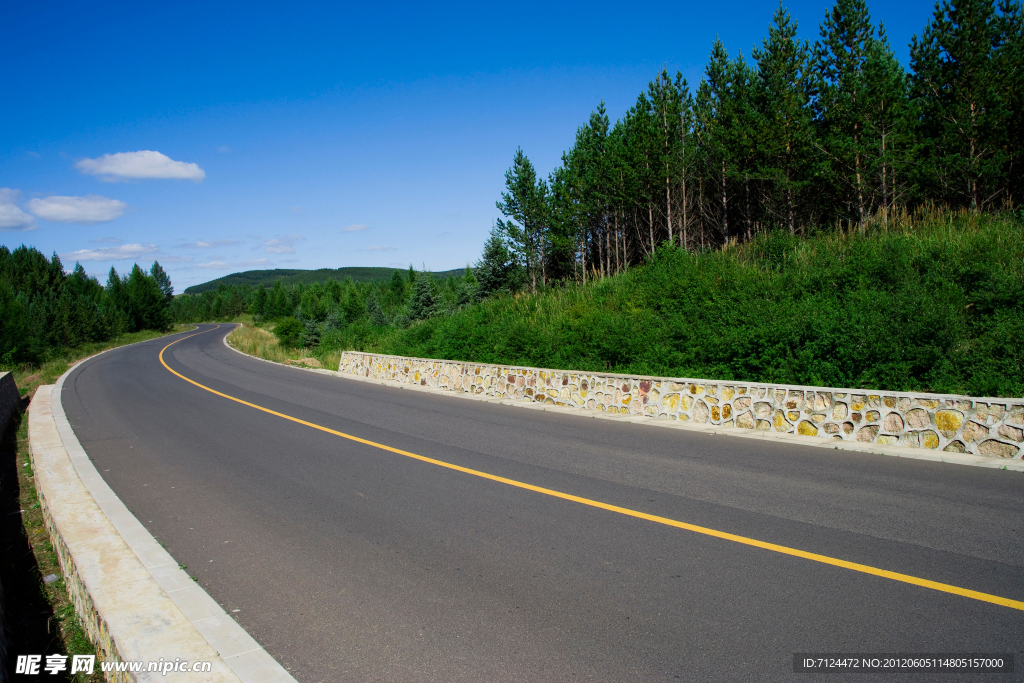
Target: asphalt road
(352,563)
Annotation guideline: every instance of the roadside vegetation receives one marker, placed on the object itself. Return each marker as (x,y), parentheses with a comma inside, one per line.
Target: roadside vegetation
(931,302)
(819,214)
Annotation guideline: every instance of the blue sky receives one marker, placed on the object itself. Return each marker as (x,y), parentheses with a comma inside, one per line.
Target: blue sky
(305,135)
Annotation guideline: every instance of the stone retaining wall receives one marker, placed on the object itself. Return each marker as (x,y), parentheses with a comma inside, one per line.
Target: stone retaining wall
(992,427)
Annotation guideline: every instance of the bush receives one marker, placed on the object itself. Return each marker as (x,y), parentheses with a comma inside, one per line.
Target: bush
(289,332)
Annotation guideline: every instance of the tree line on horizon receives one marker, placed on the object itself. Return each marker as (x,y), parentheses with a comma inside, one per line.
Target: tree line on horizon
(800,138)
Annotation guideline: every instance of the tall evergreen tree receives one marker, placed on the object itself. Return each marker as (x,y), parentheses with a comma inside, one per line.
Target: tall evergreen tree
(784,93)
(843,101)
(162,281)
(961,110)
(524,203)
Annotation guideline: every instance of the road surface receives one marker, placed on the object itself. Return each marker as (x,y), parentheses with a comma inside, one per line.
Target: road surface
(349,562)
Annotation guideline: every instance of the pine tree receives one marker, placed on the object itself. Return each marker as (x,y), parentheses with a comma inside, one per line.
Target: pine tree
(784,94)
(421,305)
(955,84)
(162,281)
(840,57)
(524,203)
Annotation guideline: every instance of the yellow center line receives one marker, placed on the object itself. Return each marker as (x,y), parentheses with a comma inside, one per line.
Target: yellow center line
(824,559)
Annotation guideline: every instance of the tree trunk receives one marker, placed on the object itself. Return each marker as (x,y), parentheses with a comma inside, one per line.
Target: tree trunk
(650,223)
(725,206)
(791,219)
(746,192)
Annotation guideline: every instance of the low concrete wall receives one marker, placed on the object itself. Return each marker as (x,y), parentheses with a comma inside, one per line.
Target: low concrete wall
(10,399)
(992,427)
(125,613)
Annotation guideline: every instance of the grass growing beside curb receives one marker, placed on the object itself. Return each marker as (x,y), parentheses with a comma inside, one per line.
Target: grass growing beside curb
(259,340)
(40,617)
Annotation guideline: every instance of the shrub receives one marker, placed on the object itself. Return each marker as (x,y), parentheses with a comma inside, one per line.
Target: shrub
(288,332)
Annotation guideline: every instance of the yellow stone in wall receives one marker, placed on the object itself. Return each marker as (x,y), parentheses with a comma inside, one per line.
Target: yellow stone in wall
(728,393)
(807,429)
(948,422)
(670,403)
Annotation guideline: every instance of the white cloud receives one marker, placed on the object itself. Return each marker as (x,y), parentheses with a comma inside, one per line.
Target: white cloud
(282,245)
(123,252)
(11,215)
(201,244)
(138,165)
(380,247)
(89,209)
(357,227)
(225,265)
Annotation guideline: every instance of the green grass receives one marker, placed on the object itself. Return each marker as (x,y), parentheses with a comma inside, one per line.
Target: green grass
(933,302)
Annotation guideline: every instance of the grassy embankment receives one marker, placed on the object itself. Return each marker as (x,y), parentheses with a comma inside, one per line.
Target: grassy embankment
(258,340)
(40,616)
(933,302)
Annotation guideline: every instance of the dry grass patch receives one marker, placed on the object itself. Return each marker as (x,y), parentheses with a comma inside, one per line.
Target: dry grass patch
(261,342)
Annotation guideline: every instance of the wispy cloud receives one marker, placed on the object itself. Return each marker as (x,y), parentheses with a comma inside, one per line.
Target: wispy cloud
(223,149)
(282,245)
(11,215)
(229,265)
(380,247)
(89,209)
(212,244)
(106,240)
(123,252)
(355,227)
(144,164)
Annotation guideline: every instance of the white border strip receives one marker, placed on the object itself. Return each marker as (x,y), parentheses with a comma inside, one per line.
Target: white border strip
(240,651)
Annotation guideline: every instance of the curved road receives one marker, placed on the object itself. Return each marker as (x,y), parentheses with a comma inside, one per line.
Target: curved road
(349,562)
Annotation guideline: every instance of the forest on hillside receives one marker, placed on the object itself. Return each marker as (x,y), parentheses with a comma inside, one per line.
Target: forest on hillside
(43,308)
(797,137)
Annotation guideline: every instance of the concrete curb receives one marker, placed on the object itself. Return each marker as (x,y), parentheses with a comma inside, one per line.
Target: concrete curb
(135,601)
(799,440)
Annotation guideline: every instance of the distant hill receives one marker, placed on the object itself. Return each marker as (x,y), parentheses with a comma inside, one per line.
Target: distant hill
(306,277)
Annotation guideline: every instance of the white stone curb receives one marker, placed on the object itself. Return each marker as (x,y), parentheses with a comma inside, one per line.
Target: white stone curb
(150,607)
